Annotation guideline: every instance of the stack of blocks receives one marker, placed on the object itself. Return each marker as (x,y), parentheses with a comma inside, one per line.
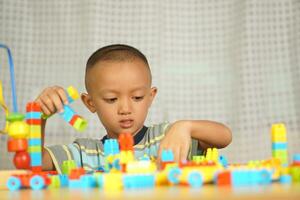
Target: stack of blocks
(111,152)
(33,119)
(279,143)
(69,115)
(18,131)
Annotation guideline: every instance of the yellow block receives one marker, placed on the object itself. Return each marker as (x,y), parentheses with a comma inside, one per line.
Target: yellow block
(35,131)
(141,167)
(73,93)
(126,156)
(112,181)
(278,132)
(35,135)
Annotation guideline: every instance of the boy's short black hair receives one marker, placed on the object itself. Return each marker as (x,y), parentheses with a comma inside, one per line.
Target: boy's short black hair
(115,52)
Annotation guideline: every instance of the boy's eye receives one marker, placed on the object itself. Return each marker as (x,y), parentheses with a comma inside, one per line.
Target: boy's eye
(138,98)
(110,100)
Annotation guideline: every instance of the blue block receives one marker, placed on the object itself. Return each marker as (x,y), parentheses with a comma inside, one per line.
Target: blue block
(33,115)
(34,142)
(296,157)
(138,181)
(223,160)
(167,156)
(74,183)
(285,179)
(195,179)
(100,181)
(279,145)
(36,159)
(64,180)
(111,147)
(88,181)
(67,114)
(70,99)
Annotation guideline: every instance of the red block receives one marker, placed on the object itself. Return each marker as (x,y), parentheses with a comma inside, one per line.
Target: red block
(22,160)
(36,168)
(224,178)
(126,142)
(76,173)
(73,120)
(33,107)
(34,121)
(14,145)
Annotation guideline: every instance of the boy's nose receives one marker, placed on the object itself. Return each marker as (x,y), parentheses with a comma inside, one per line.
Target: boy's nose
(124,107)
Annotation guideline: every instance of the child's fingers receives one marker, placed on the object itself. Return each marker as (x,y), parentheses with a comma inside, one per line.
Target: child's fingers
(62,94)
(48,103)
(57,103)
(184,150)
(176,152)
(44,108)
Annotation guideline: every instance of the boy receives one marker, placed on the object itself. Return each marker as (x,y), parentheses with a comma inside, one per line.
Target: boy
(118,83)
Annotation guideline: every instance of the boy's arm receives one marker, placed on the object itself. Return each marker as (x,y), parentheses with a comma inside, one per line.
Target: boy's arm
(208,133)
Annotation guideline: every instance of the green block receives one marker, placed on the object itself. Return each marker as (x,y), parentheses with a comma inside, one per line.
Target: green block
(55,181)
(67,166)
(295,173)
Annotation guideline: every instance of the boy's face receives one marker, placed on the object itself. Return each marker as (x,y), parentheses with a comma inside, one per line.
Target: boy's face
(120,93)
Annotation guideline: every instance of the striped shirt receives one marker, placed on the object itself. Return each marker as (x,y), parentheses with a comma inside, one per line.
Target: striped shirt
(88,153)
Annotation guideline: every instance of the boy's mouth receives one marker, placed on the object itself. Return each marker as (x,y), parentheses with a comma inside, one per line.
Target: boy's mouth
(126,123)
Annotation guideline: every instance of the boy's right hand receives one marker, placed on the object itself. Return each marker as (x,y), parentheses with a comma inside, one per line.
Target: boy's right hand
(52,100)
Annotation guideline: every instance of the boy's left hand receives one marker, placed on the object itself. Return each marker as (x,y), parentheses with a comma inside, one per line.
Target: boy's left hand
(177,139)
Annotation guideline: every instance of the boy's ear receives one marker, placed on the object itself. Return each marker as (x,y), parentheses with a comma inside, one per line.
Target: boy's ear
(88,102)
(153,93)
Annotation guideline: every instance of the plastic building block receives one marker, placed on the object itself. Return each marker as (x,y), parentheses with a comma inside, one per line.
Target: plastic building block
(76,173)
(195,179)
(33,107)
(295,173)
(138,181)
(74,183)
(64,180)
(111,147)
(68,166)
(212,155)
(223,160)
(198,159)
(173,175)
(126,142)
(13,183)
(285,179)
(140,167)
(67,114)
(22,160)
(36,159)
(112,181)
(18,129)
(88,181)
(296,159)
(55,181)
(223,178)
(37,182)
(14,145)
(167,156)
(72,94)
(33,115)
